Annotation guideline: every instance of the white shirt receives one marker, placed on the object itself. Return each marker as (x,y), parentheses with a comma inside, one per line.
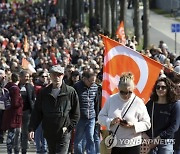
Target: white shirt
(137,115)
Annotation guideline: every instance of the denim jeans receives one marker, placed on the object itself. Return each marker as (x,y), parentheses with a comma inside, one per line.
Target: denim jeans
(176,151)
(84,127)
(41,143)
(60,146)
(24,133)
(96,138)
(163,149)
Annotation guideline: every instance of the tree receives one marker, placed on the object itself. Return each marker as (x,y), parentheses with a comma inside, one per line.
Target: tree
(136,20)
(145,22)
(123,12)
(114,16)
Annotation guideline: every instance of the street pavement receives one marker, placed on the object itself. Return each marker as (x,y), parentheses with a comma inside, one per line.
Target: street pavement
(160,29)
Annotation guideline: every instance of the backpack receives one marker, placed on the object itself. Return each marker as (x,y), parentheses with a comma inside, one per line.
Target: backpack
(5,101)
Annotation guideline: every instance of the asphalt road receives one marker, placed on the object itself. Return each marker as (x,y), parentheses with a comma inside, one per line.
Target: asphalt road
(160,29)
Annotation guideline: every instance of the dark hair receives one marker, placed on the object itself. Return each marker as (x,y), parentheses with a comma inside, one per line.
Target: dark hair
(14,77)
(171,95)
(23,73)
(75,73)
(88,74)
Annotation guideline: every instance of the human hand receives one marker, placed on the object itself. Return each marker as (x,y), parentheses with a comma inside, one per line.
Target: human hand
(126,124)
(115,121)
(31,136)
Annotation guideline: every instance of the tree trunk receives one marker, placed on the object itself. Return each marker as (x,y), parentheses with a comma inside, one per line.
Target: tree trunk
(69,11)
(136,20)
(75,11)
(103,15)
(97,11)
(81,12)
(114,18)
(122,13)
(145,22)
(108,18)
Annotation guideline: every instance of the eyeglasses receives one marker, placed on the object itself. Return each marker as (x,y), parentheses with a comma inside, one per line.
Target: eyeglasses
(125,92)
(44,76)
(158,87)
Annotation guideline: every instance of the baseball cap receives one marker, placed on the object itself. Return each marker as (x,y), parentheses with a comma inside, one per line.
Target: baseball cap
(177,69)
(56,69)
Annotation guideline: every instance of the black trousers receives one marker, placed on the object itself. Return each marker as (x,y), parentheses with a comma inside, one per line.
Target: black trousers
(126,150)
(59,146)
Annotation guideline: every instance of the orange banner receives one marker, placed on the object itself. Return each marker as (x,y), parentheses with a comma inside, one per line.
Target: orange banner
(119,59)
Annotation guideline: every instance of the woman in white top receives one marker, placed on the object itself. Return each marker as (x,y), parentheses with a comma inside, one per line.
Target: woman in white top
(136,118)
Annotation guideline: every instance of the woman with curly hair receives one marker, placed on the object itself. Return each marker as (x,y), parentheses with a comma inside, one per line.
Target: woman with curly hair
(165,116)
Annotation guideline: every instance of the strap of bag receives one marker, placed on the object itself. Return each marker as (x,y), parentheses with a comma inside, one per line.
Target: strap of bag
(124,116)
(152,117)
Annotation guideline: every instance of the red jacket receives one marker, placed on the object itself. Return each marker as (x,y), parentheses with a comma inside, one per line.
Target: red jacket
(12,117)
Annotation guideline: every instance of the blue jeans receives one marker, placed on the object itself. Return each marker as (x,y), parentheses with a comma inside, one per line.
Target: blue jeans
(41,144)
(84,127)
(96,138)
(163,149)
(176,151)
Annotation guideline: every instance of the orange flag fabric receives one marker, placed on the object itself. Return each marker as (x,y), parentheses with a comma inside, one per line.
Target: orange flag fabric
(119,59)
(120,33)
(28,66)
(26,44)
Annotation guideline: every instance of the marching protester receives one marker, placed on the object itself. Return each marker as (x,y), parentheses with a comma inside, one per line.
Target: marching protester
(49,41)
(12,117)
(40,141)
(2,84)
(87,91)
(57,107)
(126,114)
(28,96)
(164,112)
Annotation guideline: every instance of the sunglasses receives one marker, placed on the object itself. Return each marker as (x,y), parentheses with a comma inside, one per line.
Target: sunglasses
(158,87)
(125,92)
(44,76)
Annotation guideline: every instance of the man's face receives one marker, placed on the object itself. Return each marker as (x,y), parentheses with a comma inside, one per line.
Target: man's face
(25,78)
(2,78)
(56,78)
(89,81)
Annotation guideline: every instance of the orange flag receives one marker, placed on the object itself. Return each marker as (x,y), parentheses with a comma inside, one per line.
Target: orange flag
(28,66)
(26,44)
(120,33)
(119,59)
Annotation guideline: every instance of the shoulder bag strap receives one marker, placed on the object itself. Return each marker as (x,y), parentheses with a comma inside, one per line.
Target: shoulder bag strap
(152,123)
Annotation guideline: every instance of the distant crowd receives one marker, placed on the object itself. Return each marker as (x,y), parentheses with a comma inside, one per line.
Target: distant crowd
(46,40)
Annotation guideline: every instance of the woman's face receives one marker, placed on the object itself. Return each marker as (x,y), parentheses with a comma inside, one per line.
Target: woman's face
(161,89)
(125,92)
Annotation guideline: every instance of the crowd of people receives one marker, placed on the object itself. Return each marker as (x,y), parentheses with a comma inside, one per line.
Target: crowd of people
(46,41)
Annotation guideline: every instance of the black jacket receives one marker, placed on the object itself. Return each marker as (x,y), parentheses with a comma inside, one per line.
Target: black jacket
(30,96)
(55,113)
